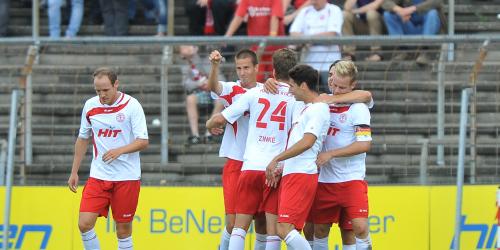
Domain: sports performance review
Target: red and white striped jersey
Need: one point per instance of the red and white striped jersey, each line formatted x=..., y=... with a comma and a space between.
x=270, y=120
x=114, y=126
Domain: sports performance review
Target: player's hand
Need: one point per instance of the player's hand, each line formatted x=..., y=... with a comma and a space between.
x=73, y=182
x=270, y=174
x=216, y=131
x=325, y=98
x=215, y=57
x=271, y=86
x=323, y=158
x=111, y=155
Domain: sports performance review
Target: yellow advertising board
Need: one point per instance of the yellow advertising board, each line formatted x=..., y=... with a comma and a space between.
x=187, y=218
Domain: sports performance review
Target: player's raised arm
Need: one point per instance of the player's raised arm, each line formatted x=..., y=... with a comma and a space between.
x=356, y=96
x=213, y=78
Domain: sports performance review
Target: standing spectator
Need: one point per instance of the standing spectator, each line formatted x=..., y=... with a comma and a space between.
x=115, y=16
x=196, y=10
x=362, y=17
x=4, y=16
x=413, y=17
x=296, y=6
x=319, y=19
x=265, y=18
x=54, y=12
x=161, y=10
x=195, y=80
x=223, y=12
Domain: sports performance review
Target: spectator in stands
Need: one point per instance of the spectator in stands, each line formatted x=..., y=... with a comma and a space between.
x=362, y=17
x=196, y=10
x=194, y=78
x=223, y=12
x=115, y=16
x=54, y=13
x=265, y=18
x=292, y=9
x=413, y=17
x=4, y=16
x=161, y=12
x=319, y=19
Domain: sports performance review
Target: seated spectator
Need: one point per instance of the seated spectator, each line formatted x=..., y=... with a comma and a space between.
x=195, y=80
x=319, y=19
x=362, y=17
x=54, y=13
x=4, y=16
x=265, y=18
x=115, y=17
x=413, y=17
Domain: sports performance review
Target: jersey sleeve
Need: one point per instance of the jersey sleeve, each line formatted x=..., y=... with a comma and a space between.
x=138, y=121
x=298, y=22
x=238, y=108
x=335, y=20
x=317, y=120
x=361, y=122
x=227, y=88
x=242, y=9
x=85, y=126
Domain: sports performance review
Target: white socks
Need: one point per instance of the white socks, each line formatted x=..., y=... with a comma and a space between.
x=364, y=244
x=90, y=241
x=237, y=241
x=296, y=242
x=125, y=244
x=273, y=242
x=224, y=241
x=349, y=247
x=320, y=244
x=260, y=241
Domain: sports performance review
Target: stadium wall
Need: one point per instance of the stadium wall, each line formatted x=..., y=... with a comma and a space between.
x=178, y=218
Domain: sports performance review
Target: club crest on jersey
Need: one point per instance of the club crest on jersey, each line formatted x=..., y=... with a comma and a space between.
x=120, y=117
x=342, y=118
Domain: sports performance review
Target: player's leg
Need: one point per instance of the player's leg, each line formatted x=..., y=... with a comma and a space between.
x=241, y=225
x=360, y=228
x=356, y=211
x=260, y=231
x=348, y=239
x=309, y=232
x=94, y=203
x=321, y=232
x=269, y=206
x=124, y=199
x=230, y=175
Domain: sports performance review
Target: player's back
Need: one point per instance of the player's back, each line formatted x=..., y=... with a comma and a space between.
x=270, y=121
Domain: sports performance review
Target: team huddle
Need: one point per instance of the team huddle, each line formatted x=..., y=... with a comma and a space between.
x=295, y=158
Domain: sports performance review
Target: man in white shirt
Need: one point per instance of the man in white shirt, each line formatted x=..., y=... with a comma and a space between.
x=342, y=195
x=319, y=19
x=235, y=136
x=117, y=123
x=300, y=173
x=270, y=119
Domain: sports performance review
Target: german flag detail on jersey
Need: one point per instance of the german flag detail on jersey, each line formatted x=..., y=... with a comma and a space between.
x=362, y=132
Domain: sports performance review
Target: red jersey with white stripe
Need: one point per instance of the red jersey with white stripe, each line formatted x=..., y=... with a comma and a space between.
x=270, y=119
x=348, y=124
x=310, y=118
x=235, y=135
x=114, y=126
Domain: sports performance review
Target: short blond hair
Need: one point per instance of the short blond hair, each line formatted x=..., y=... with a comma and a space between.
x=345, y=68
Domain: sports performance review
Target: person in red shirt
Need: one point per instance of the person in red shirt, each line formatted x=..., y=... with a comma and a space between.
x=265, y=18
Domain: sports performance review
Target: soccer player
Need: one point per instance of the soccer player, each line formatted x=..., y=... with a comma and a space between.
x=300, y=173
x=342, y=192
x=117, y=124
x=270, y=119
x=235, y=136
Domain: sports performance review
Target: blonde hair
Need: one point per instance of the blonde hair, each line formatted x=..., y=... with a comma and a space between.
x=345, y=68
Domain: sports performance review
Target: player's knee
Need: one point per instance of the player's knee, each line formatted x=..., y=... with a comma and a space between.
x=360, y=229
x=321, y=232
x=123, y=230
x=282, y=230
x=230, y=226
x=85, y=226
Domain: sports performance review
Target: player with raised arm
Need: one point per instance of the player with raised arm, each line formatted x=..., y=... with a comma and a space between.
x=235, y=136
x=342, y=192
x=117, y=123
x=270, y=119
x=300, y=173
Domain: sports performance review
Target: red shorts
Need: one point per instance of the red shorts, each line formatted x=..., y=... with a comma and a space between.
x=340, y=203
x=266, y=62
x=296, y=198
x=254, y=196
x=230, y=174
x=123, y=196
